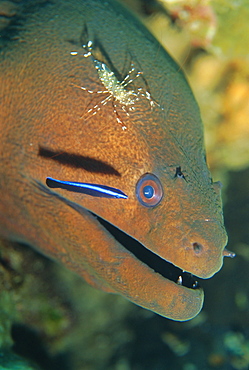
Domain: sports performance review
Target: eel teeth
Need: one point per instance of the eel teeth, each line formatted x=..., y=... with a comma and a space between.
x=179, y=280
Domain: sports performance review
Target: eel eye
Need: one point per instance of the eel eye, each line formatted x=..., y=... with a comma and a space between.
x=149, y=190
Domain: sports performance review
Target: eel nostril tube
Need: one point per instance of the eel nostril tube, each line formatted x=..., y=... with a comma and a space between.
x=227, y=253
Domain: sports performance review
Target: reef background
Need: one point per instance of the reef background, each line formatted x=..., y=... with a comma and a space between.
x=54, y=320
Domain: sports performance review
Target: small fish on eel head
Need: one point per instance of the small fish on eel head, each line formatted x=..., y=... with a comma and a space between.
x=103, y=164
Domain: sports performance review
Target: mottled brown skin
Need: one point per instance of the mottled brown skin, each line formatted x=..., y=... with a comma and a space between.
x=42, y=108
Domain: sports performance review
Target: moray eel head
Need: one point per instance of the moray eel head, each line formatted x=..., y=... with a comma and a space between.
x=95, y=99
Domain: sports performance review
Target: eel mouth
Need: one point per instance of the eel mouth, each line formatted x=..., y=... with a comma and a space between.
x=167, y=269
x=159, y=265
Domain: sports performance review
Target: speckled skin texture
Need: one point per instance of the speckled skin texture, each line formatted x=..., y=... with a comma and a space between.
x=42, y=107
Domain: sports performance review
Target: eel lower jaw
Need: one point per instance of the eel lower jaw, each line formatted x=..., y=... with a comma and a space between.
x=166, y=269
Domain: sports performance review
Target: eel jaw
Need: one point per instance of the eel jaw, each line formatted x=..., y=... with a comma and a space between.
x=148, y=280
x=159, y=265
x=153, y=261
x=158, y=287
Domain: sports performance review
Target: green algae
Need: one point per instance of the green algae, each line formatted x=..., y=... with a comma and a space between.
x=232, y=38
x=10, y=361
x=7, y=314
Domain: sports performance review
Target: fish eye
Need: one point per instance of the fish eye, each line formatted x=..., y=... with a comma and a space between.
x=149, y=190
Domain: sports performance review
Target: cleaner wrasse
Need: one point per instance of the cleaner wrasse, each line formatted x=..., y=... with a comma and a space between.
x=89, y=96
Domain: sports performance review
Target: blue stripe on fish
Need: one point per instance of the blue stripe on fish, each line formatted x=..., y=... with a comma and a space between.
x=94, y=190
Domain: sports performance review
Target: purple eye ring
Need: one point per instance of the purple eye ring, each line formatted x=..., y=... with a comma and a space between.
x=149, y=190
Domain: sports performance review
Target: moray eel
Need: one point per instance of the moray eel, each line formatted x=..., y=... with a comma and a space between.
x=89, y=96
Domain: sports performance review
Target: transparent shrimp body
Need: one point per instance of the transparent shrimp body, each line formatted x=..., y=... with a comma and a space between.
x=116, y=91
x=116, y=88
